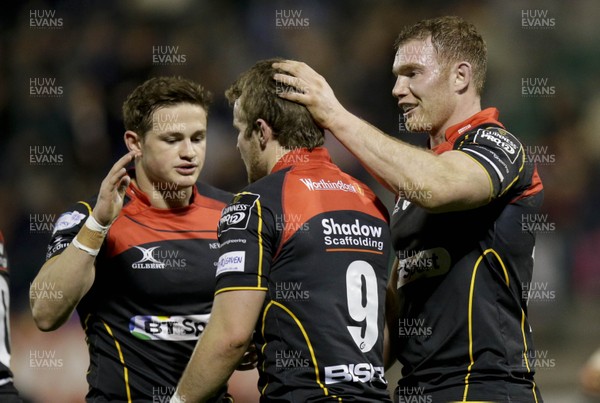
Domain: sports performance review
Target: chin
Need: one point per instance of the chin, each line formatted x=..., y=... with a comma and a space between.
x=186, y=181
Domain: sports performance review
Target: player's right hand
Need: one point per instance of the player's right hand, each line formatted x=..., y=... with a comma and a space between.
x=112, y=190
x=312, y=91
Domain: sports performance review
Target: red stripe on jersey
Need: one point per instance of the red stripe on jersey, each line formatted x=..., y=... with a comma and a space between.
x=139, y=224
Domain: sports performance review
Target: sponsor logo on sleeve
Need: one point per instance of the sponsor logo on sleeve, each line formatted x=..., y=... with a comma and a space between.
x=415, y=265
x=237, y=215
x=68, y=220
x=168, y=328
x=504, y=140
x=231, y=261
x=59, y=243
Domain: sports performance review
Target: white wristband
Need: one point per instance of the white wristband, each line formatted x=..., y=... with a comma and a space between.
x=94, y=225
x=176, y=398
x=78, y=245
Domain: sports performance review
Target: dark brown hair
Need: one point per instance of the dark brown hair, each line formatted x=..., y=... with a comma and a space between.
x=292, y=124
x=159, y=92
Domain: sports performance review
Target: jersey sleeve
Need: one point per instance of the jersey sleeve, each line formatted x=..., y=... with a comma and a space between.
x=245, y=230
x=67, y=226
x=499, y=152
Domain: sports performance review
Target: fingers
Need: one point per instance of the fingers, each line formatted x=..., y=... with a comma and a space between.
x=300, y=90
x=112, y=190
x=292, y=67
x=119, y=170
x=123, y=185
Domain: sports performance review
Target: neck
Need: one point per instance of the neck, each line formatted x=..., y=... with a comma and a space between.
x=275, y=153
x=460, y=114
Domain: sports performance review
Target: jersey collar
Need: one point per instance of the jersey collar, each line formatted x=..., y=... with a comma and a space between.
x=488, y=115
x=302, y=156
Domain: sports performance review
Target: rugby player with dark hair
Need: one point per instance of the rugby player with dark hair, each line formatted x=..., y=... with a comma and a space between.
x=138, y=261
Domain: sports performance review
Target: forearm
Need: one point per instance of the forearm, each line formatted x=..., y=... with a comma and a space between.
x=431, y=181
x=222, y=345
x=210, y=366
x=59, y=286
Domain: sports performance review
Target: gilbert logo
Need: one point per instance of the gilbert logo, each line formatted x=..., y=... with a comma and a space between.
x=153, y=258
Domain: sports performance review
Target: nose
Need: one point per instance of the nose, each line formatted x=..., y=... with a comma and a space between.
x=400, y=89
x=187, y=150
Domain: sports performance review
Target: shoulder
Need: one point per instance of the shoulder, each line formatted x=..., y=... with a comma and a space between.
x=214, y=193
x=492, y=136
x=74, y=215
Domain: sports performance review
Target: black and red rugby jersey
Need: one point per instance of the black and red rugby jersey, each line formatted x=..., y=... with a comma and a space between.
x=465, y=335
x=317, y=242
x=152, y=294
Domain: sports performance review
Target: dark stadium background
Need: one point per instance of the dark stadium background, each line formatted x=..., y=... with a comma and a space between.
x=66, y=66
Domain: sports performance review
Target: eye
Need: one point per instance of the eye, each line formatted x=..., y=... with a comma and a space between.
x=198, y=138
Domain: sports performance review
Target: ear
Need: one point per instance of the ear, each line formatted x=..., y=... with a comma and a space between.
x=462, y=74
x=133, y=141
x=264, y=132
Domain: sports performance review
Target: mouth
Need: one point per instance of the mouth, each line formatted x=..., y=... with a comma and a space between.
x=407, y=108
x=186, y=169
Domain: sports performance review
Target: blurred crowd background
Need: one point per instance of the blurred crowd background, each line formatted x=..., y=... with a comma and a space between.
x=67, y=66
